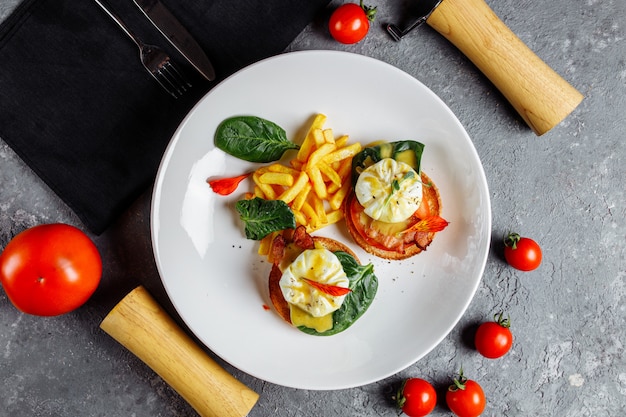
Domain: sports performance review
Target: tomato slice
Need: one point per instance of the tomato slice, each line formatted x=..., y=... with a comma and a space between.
x=356, y=214
x=423, y=210
x=385, y=236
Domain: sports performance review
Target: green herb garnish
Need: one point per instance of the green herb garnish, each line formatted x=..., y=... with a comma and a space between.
x=364, y=285
x=407, y=151
x=252, y=139
x=262, y=217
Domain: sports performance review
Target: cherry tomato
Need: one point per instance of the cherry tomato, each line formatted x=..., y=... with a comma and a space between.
x=494, y=339
x=521, y=253
x=50, y=269
x=350, y=22
x=416, y=397
x=465, y=397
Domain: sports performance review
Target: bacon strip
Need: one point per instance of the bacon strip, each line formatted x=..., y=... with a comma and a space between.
x=302, y=239
x=277, y=249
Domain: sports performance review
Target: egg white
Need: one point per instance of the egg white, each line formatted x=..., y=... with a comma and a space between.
x=389, y=191
x=319, y=265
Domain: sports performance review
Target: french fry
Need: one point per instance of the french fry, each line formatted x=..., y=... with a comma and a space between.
x=297, y=165
x=336, y=200
x=318, y=205
x=277, y=178
x=278, y=190
x=334, y=216
x=330, y=173
x=305, y=150
x=328, y=136
x=291, y=193
x=318, y=136
x=315, y=183
x=318, y=182
x=266, y=189
x=300, y=217
x=341, y=142
x=344, y=171
x=311, y=215
x=283, y=169
x=317, y=155
x=309, y=141
x=301, y=197
x=265, y=244
x=342, y=153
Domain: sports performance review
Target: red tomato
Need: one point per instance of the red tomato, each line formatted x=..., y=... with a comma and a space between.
x=521, y=252
x=494, y=339
x=350, y=22
x=50, y=269
x=416, y=397
x=465, y=397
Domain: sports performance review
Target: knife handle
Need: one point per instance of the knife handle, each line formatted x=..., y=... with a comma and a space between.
x=537, y=92
x=144, y=328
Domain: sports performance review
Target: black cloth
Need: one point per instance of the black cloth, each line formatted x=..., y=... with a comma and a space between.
x=79, y=108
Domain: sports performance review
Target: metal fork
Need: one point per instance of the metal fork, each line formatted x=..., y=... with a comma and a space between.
x=154, y=59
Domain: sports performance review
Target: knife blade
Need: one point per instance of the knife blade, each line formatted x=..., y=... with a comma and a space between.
x=178, y=36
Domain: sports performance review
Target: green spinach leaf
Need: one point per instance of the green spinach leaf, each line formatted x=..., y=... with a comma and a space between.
x=252, y=139
x=262, y=217
x=364, y=285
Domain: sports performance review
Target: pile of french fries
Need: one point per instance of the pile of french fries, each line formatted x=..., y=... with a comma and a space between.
x=316, y=181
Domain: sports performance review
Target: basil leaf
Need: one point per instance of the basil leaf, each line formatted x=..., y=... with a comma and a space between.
x=408, y=151
x=252, y=139
x=364, y=285
x=262, y=217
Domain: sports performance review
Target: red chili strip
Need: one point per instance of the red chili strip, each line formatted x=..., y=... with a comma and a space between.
x=333, y=290
x=429, y=224
x=226, y=186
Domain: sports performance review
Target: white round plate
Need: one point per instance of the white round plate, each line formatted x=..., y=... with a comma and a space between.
x=218, y=283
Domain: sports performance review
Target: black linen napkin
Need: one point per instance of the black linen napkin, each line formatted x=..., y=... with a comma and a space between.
x=79, y=108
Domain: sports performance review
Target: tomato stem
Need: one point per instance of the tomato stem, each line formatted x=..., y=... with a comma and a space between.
x=511, y=240
x=504, y=322
x=400, y=398
x=370, y=12
x=458, y=383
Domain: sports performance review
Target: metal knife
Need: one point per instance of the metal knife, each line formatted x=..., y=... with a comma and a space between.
x=178, y=36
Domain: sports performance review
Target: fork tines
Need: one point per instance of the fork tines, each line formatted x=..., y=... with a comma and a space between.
x=171, y=79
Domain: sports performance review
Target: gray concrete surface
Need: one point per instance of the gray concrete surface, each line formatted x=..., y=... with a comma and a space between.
x=565, y=189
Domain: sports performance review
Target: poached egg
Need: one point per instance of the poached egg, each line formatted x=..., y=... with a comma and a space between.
x=389, y=191
x=308, y=305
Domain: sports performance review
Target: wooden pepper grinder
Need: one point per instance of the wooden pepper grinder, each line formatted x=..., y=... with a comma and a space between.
x=537, y=92
x=144, y=328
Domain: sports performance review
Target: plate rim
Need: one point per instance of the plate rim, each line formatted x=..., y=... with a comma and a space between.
x=168, y=153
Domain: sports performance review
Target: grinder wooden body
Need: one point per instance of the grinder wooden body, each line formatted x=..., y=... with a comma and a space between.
x=145, y=329
x=537, y=92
